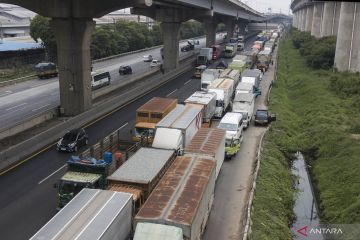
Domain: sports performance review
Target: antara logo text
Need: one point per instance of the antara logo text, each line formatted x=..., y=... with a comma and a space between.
x=319, y=230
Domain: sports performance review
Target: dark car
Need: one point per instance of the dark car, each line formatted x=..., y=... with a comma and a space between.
x=125, y=70
x=46, y=70
x=72, y=140
x=264, y=117
x=187, y=48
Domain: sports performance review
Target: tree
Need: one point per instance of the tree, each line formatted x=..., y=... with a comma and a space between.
x=40, y=29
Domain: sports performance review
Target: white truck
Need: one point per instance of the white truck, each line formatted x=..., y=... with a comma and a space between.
x=224, y=89
x=252, y=76
x=205, y=100
x=91, y=214
x=232, y=74
x=204, y=57
x=208, y=76
x=244, y=103
x=177, y=128
x=232, y=124
x=244, y=87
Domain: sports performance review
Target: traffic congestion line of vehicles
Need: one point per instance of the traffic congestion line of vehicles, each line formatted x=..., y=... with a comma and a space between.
x=161, y=184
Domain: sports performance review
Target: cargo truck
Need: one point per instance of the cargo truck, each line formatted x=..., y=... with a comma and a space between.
x=232, y=74
x=252, y=76
x=208, y=76
x=244, y=87
x=263, y=61
x=238, y=65
x=207, y=102
x=230, y=50
x=232, y=124
x=81, y=173
x=224, y=89
x=149, y=114
x=209, y=142
x=252, y=57
x=183, y=198
x=140, y=173
x=178, y=127
x=93, y=214
x=244, y=103
x=205, y=56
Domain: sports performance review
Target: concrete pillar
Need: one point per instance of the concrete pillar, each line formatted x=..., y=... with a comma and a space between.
x=317, y=17
x=171, y=38
x=242, y=26
x=336, y=18
x=328, y=20
x=73, y=37
x=303, y=19
x=348, y=38
x=309, y=18
x=210, y=28
x=230, y=27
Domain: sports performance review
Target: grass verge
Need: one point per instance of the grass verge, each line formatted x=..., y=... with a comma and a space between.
x=13, y=73
x=318, y=113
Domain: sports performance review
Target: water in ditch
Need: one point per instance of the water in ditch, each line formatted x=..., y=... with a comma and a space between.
x=305, y=207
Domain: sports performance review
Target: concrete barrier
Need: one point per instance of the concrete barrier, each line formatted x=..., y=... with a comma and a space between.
x=23, y=151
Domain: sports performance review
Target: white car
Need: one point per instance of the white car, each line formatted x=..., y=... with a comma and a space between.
x=154, y=63
x=147, y=58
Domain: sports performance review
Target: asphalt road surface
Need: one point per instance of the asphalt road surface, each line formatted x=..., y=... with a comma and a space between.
x=28, y=199
x=27, y=99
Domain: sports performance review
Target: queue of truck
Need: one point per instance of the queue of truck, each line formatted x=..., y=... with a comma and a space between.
x=161, y=184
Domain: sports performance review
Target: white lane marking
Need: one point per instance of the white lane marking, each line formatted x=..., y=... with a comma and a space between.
x=171, y=92
x=187, y=81
x=52, y=174
x=40, y=107
x=123, y=125
x=16, y=106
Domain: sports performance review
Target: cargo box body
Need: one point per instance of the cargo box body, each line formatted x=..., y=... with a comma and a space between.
x=205, y=99
x=183, y=197
x=152, y=231
x=155, y=109
x=91, y=215
x=209, y=142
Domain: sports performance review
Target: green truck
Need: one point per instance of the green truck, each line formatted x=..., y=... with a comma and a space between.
x=81, y=173
x=230, y=50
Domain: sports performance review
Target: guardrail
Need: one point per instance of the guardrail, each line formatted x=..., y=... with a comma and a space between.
x=23, y=151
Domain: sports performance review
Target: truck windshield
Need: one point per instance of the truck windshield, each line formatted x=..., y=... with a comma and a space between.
x=204, y=85
x=219, y=103
x=228, y=126
x=72, y=188
x=145, y=132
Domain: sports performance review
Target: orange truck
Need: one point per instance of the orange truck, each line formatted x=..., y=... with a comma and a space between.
x=148, y=115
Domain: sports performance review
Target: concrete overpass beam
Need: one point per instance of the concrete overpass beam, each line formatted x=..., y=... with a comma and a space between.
x=73, y=37
x=210, y=25
x=309, y=18
x=317, y=20
x=347, y=57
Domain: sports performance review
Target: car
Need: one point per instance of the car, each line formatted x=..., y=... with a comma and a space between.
x=263, y=117
x=125, y=70
x=147, y=58
x=72, y=140
x=46, y=70
x=154, y=63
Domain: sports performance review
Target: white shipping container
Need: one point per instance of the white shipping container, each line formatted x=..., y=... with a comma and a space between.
x=187, y=119
x=205, y=99
x=92, y=214
x=152, y=231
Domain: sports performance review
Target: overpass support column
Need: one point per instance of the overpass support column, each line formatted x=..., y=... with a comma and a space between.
x=309, y=18
x=171, y=39
x=230, y=27
x=330, y=19
x=317, y=20
x=210, y=28
x=302, y=20
x=73, y=37
x=348, y=38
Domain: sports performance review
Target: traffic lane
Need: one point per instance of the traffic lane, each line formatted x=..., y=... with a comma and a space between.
x=22, y=86
x=235, y=179
x=46, y=168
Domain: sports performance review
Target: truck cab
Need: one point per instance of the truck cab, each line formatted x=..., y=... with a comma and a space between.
x=232, y=123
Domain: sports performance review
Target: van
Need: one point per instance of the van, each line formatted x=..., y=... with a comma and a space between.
x=244, y=103
x=99, y=80
x=232, y=123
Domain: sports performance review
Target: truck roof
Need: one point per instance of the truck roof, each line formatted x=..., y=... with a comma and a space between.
x=231, y=73
x=157, y=104
x=176, y=198
x=265, y=52
x=179, y=118
x=82, y=177
x=221, y=83
x=89, y=215
x=206, y=141
x=143, y=166
x=152, y=231
x=244, y=86
x=251, y=73
x=231, y=117
x=201, y=97
x=244, y=97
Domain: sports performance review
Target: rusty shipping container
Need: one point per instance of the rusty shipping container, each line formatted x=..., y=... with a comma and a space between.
x=209, y=142
x=183, y=197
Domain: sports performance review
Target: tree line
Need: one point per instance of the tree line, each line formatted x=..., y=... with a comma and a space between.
x=111, y=39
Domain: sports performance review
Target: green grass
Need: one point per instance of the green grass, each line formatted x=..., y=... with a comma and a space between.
x=9, y=74
x=318, y=113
